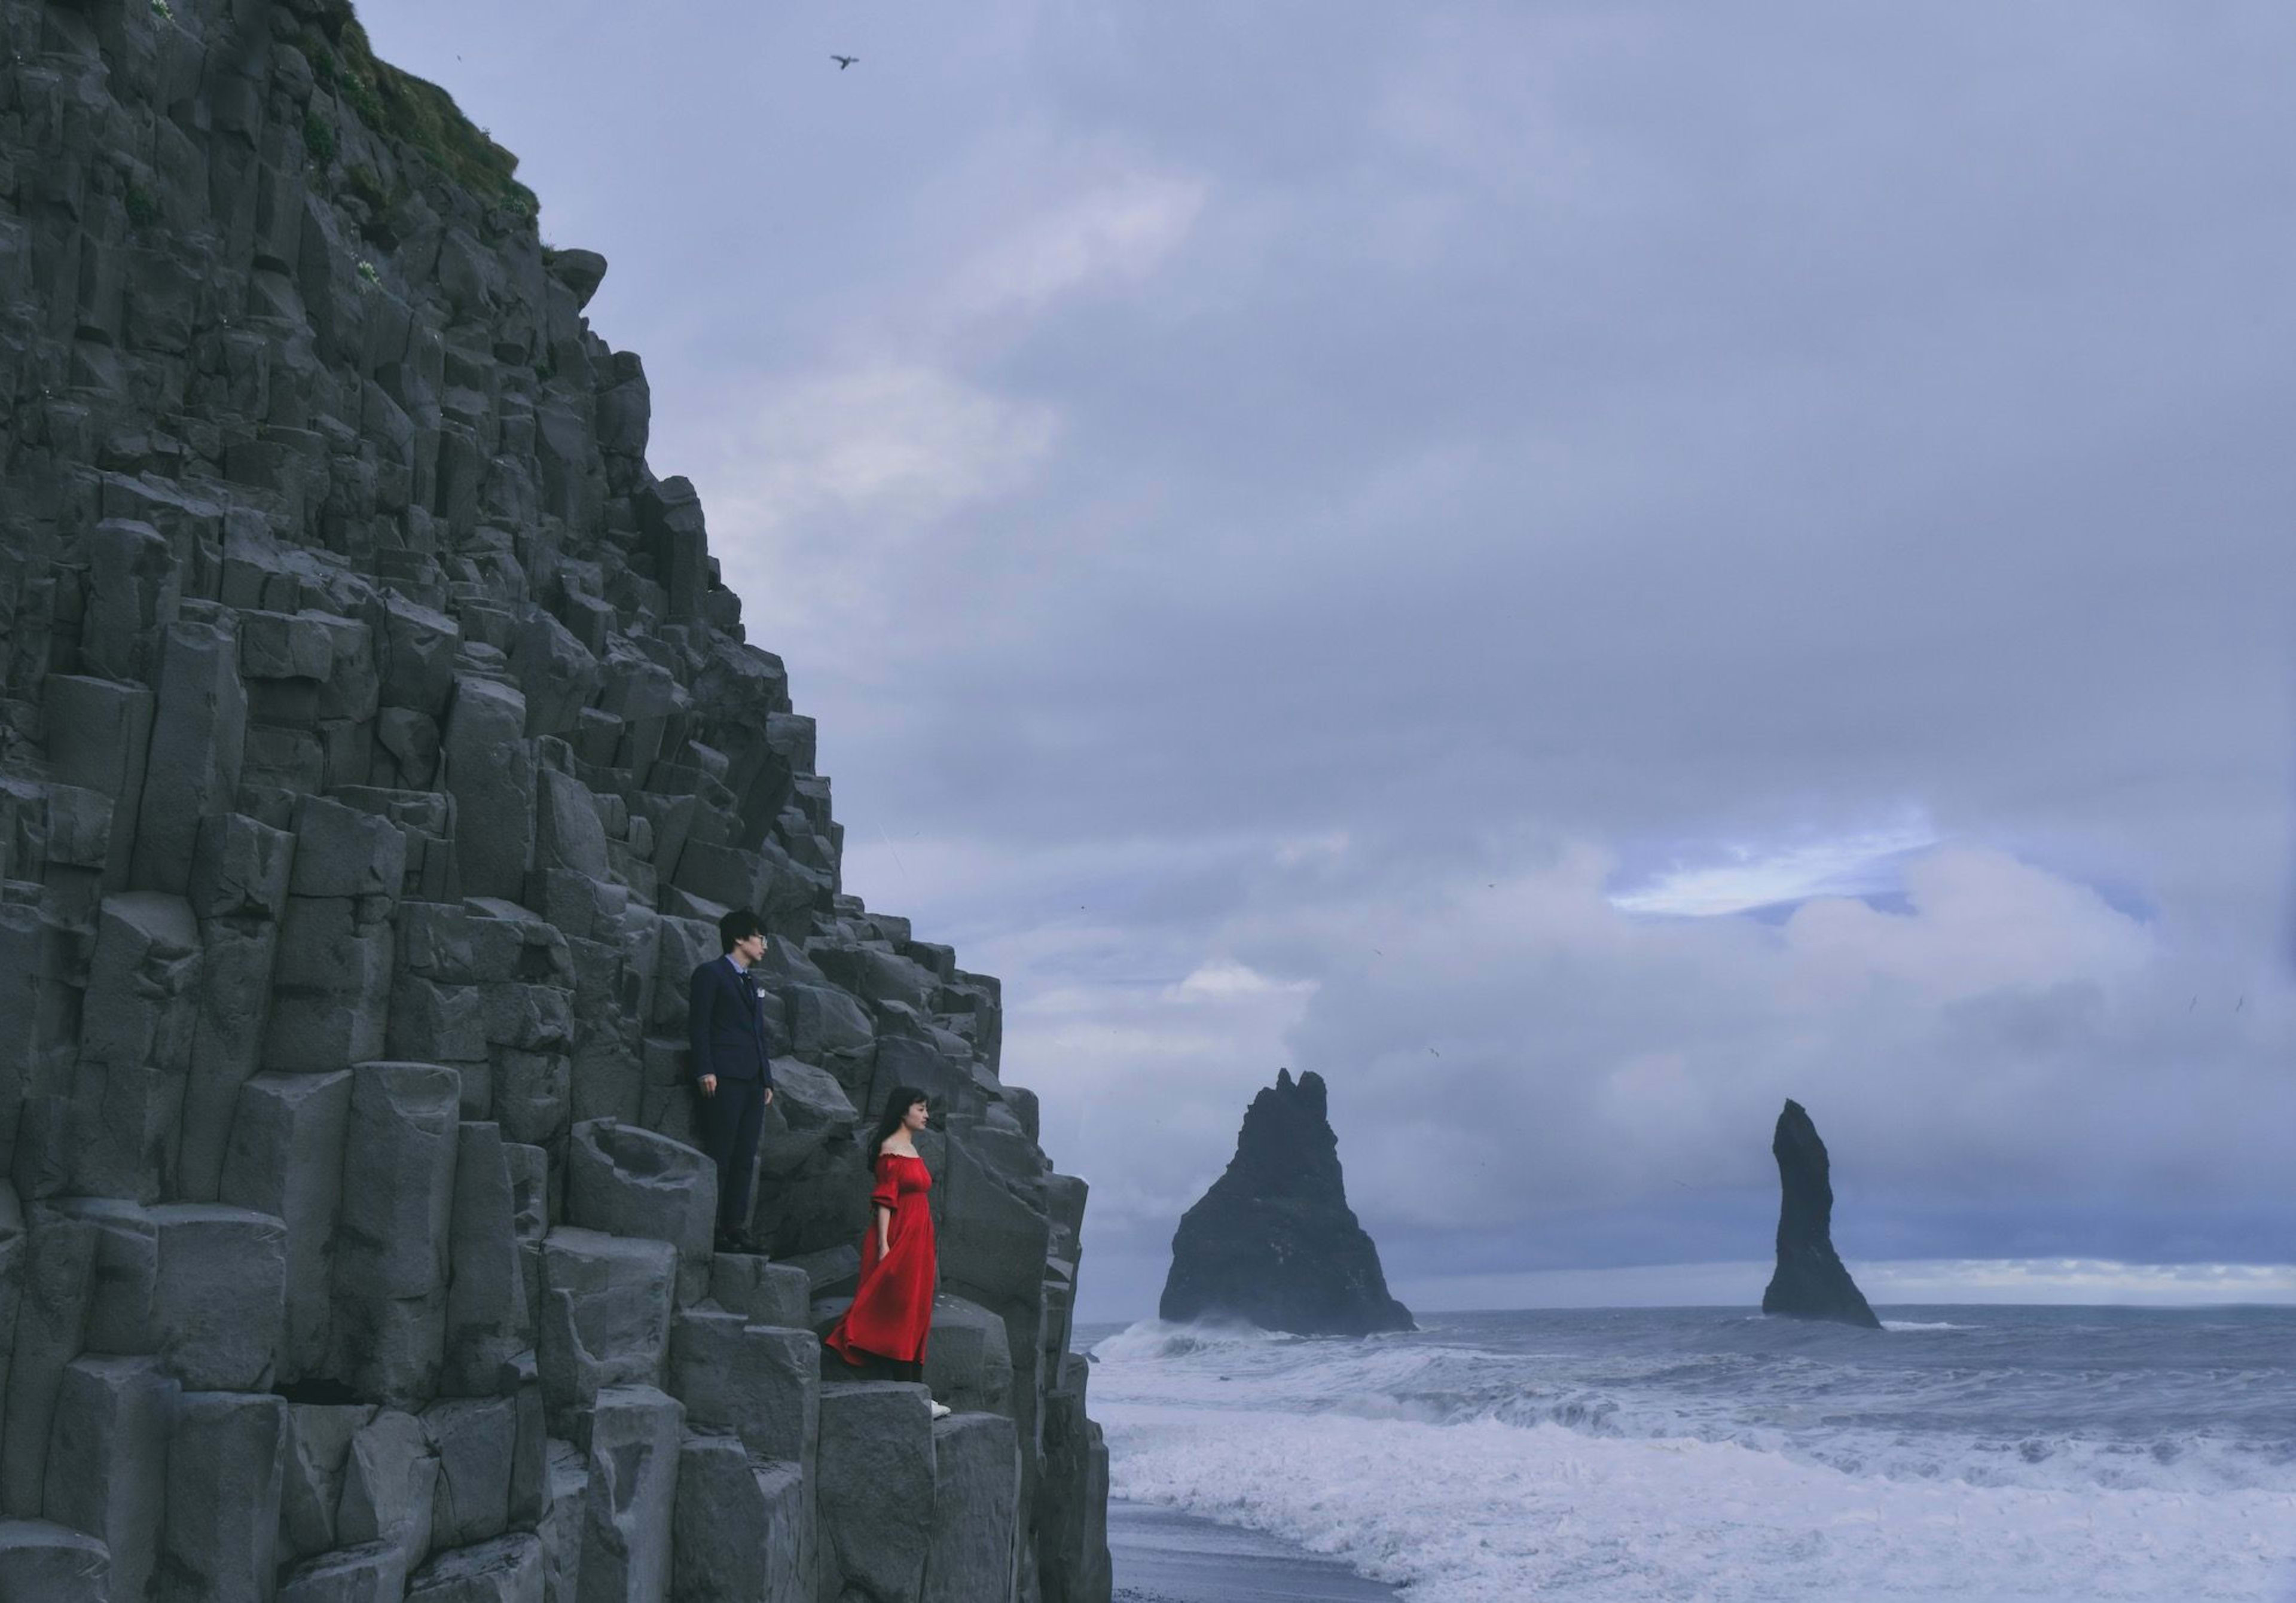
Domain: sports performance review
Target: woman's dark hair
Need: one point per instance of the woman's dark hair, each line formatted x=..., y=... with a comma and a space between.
x=896, y=1108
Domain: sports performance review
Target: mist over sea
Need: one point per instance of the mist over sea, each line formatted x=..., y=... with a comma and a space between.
x=1967, y=1453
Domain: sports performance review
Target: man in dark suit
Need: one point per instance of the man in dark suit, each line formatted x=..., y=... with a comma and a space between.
x=733, y=1070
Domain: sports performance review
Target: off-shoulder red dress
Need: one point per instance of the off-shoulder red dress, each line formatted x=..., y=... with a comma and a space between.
x=892, y=1311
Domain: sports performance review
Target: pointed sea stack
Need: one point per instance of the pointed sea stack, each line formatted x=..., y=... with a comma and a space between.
x=1273, y=1240
x=1810, y=1281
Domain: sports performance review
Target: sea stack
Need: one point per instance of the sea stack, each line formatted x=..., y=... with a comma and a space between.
x=1273, y=1240
x=1810, y=1281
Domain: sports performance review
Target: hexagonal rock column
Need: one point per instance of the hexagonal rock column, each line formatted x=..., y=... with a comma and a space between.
x=222, y=1531
x=507, y=1570
x=969, y=1357
x=137, y=1026
x=627, y=1181
x=238, y=890
x=51, y=1317
x=739, y=1527
x=99, y=735
x=198, y=1283
x=220, y=1299
x=567, y=1494
x=285, y=1158
x=635, y=1433
x=976, y=1497
x=53, y=1563
x=604, y=1322
x=314, y=1456
x=761, y=1382
x=329, y=1002
x=390, y=1305
x=374, y=1572
x=108, y=1466
x=491, y=775
x=390, y=1488
x=476, y=1440
x=875, y=1492
x=487, y=1323
x=995, y=1237
x=764, y=1293
x=198, y=739
x=1071, y=1530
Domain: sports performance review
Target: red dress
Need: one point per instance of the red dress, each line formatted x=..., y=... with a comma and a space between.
x=892, y=1311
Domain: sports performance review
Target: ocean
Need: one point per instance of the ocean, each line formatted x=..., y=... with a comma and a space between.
x=1603, y=1456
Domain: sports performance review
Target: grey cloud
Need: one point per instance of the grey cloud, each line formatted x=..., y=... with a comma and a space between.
x=1631, y=427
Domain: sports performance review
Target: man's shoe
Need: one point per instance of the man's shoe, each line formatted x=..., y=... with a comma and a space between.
x=940, y=1408
x=730, y=1240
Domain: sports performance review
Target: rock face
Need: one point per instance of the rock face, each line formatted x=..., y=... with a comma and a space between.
x=1810, y=1281
x=1273, y=1240
x=377, y=748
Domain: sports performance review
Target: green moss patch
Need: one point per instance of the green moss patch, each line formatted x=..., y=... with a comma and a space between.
x=413, y=110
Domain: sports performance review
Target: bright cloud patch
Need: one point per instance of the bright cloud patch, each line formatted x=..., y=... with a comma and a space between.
x=1860, y=864
x=1223, y=979
x=1985, y=922
x=1117, y=232
x=889, y=441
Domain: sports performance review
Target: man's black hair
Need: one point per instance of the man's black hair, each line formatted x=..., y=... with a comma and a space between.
x=737, y=927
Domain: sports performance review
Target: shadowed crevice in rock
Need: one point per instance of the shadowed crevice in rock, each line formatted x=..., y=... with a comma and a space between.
x=1273, y=1240
x=1810, y=1281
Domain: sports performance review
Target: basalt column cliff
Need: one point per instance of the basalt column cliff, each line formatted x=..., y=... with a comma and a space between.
x=377, y=748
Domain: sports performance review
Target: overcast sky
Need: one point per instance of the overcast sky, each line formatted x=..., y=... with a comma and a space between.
x=1578, y=570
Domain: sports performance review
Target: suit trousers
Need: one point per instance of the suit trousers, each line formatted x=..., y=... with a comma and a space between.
x=730, y=1121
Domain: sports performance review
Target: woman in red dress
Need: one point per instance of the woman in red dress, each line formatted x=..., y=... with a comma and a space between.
x=892, y=1310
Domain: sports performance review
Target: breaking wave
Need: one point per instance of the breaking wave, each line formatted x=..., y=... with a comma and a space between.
x=1701, y=1454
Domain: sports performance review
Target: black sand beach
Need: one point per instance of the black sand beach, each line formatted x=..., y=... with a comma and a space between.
x=1163, y=1557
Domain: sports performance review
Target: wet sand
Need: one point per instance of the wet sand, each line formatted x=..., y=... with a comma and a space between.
x=1163, y=1557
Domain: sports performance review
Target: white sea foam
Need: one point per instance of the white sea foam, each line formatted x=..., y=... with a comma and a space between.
x=1403, y=1458
x=1923, y=1324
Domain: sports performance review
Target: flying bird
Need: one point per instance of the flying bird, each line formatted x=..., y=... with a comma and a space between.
x=843, y=61
x=1433, y=1050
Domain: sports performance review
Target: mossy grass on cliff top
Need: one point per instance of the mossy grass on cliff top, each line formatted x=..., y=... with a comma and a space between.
x=411, y=109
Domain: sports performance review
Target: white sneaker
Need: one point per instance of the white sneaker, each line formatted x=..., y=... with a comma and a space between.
x=940, y=1410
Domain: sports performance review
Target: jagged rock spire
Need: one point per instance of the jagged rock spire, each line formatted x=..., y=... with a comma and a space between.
x=1810, y=1281
x=1273, y=1240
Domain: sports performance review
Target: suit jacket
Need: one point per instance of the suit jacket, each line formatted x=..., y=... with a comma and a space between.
x=726, y=1021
